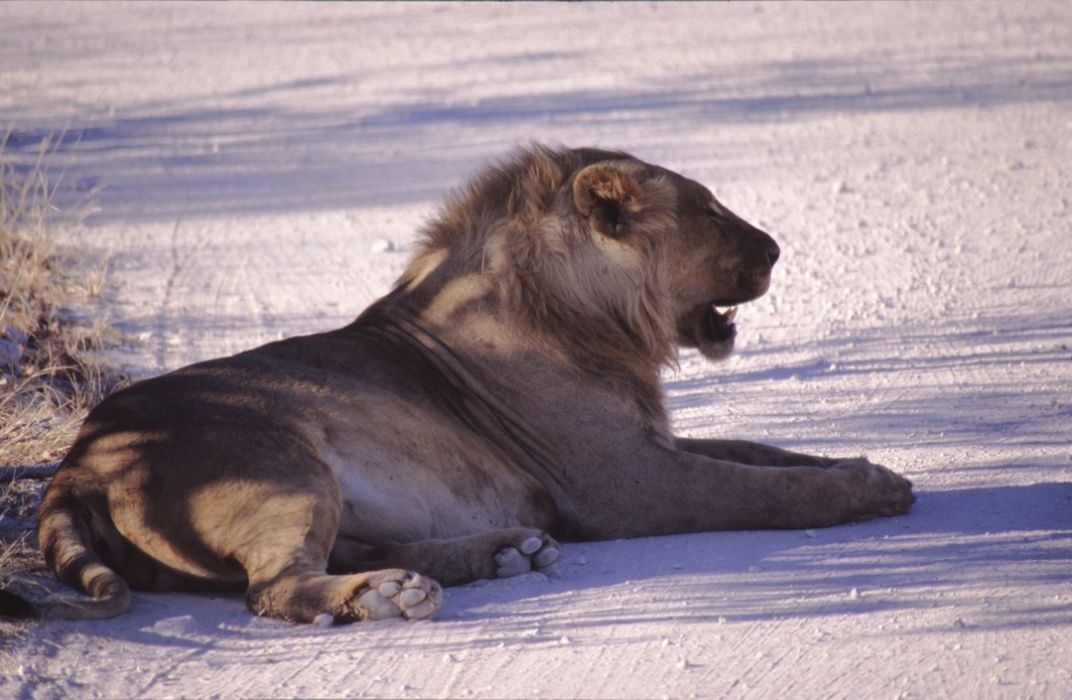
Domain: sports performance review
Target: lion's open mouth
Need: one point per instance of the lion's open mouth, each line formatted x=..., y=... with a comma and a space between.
x=709, y=329
x=720, y=324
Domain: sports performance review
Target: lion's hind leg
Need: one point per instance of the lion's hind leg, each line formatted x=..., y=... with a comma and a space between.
x=492, y=554
x=282, y=538
x=303, y=596
x=288, y=579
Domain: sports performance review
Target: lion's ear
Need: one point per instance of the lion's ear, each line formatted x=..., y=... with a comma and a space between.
x=602, y=194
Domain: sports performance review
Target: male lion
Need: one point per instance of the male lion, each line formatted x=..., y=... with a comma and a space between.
x=506, y=391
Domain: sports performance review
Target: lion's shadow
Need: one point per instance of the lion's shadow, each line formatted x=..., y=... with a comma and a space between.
x=974, y=539
x=990, y=537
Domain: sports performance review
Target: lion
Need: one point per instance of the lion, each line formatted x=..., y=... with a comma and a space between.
x=502, y=397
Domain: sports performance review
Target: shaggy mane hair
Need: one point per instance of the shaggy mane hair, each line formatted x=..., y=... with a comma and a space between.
x=601, y=299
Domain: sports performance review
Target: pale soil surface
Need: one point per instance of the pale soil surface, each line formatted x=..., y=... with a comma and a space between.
x=249, y=164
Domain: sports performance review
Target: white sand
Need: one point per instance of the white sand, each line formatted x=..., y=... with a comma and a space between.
x=248, y=164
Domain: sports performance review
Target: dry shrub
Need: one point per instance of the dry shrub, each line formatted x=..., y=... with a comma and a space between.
x=49, y=378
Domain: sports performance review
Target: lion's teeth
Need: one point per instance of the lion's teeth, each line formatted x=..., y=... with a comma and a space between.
x=731, y=313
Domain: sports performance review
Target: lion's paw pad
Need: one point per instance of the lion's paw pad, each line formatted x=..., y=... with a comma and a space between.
x=545, y=557
x=402, y=594
x=533, y=553
x=531, y=545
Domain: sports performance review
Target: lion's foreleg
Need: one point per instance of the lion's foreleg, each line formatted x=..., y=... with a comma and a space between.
x=751, y=453
x=666, y=491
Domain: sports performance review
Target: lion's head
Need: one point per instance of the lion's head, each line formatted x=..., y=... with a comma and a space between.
x=616, y=257
x=706, y=255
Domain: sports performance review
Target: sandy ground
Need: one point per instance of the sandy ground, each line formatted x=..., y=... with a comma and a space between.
x=248, y=164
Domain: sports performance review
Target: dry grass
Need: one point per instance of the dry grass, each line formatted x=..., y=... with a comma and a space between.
x=48, y=376
x=18, y=553
x=8, y=554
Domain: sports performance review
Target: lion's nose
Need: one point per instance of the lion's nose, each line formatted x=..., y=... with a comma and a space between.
x=773, y=252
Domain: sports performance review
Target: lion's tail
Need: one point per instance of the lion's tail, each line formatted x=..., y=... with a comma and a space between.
x=65, y=541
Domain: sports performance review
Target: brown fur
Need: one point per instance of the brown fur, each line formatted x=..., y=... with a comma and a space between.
x=504, y=392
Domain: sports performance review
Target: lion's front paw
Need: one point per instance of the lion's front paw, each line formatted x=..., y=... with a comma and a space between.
x=535, y=552
x=396, y=593
x=875, y=490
